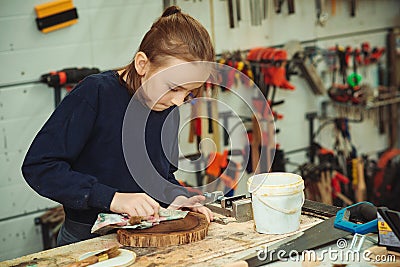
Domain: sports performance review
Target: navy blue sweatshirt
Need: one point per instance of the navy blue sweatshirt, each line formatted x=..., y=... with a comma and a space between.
x=77, y=157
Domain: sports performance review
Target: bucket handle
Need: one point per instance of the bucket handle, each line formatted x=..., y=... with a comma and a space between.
x=286, y=211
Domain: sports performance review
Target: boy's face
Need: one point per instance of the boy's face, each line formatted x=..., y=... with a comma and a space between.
x=172, y=83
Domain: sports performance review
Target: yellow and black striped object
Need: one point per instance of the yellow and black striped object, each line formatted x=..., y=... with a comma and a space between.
x=55, y=15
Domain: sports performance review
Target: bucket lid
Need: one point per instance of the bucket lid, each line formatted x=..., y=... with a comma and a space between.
x=258, y=181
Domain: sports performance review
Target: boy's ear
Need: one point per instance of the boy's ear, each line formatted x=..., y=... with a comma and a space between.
x=141, y=63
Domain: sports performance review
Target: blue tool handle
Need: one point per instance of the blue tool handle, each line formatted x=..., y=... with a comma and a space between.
x=349, y=218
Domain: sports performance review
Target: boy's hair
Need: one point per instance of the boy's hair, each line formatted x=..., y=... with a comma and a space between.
x=174, y=34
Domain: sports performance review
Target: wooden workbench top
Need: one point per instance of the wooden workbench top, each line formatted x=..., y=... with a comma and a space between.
x=223, y=244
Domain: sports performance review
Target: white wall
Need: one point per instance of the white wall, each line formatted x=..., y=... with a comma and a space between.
x=106, y=36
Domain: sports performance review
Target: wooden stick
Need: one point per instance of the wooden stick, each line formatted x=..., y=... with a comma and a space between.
x=361, y=186
x=98, y=257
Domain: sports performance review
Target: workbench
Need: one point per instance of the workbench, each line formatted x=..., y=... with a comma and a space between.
x=223, y=244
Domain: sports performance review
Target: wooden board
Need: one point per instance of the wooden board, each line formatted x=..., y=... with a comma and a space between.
x=192, y=228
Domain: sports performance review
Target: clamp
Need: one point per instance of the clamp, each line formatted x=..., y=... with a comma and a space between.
x=238, y=207
x=348, y=218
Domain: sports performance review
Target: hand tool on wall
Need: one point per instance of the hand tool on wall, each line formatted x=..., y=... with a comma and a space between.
x=278, y=164
x=55, y=15
x=353, y=79
x=366, y=52
x=265, y=150
x=322, y=15
x=333, y=7
x=252, y=13
x=353, y=166
x=309, y=72
x=381, y=113
x=238, y=11
x=310, y=173
x=359, y=94
x=359, y=186
x=222, y=76
x=195, y=132
x=331, y=180
x=344, y=92
x=261, y=136
x=255, y=145
x=274, y=62
x=216, y=163
x=256, y=9
x=278, y=6
x=198, y=160
x=254, y=57
x=265, y=8
x=325, y=187
x=341, y=53
x=229, y=75
x=265, y=61
x=223, y=168
x=366, y=56
x=247, y=153
x=192, y=124
x=245, y=68
x=195, y=122
x=58, y=79
x=278, y=71
x=231, y=15
x=215, y=122
x=376, y=54
x=291, y=7
x=209, y=107
x=260, y=7
x=230, y=177
x=347, y=55
x=353, y=8
x=225, y=117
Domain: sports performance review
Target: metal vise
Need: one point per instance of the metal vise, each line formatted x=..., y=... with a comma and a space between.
x=238, y=207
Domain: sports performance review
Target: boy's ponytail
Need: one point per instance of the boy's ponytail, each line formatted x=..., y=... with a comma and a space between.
x=174, y=34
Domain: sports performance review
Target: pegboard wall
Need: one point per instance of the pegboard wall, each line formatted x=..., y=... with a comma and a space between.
x=107, y=36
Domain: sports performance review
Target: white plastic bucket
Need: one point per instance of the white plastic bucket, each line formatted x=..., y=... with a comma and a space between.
x=277, y=199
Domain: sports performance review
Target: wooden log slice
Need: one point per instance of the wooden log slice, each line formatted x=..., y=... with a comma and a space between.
x=192, y=228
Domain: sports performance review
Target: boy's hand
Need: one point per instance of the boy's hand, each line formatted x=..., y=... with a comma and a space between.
x=194, y=204
x=134, y=204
